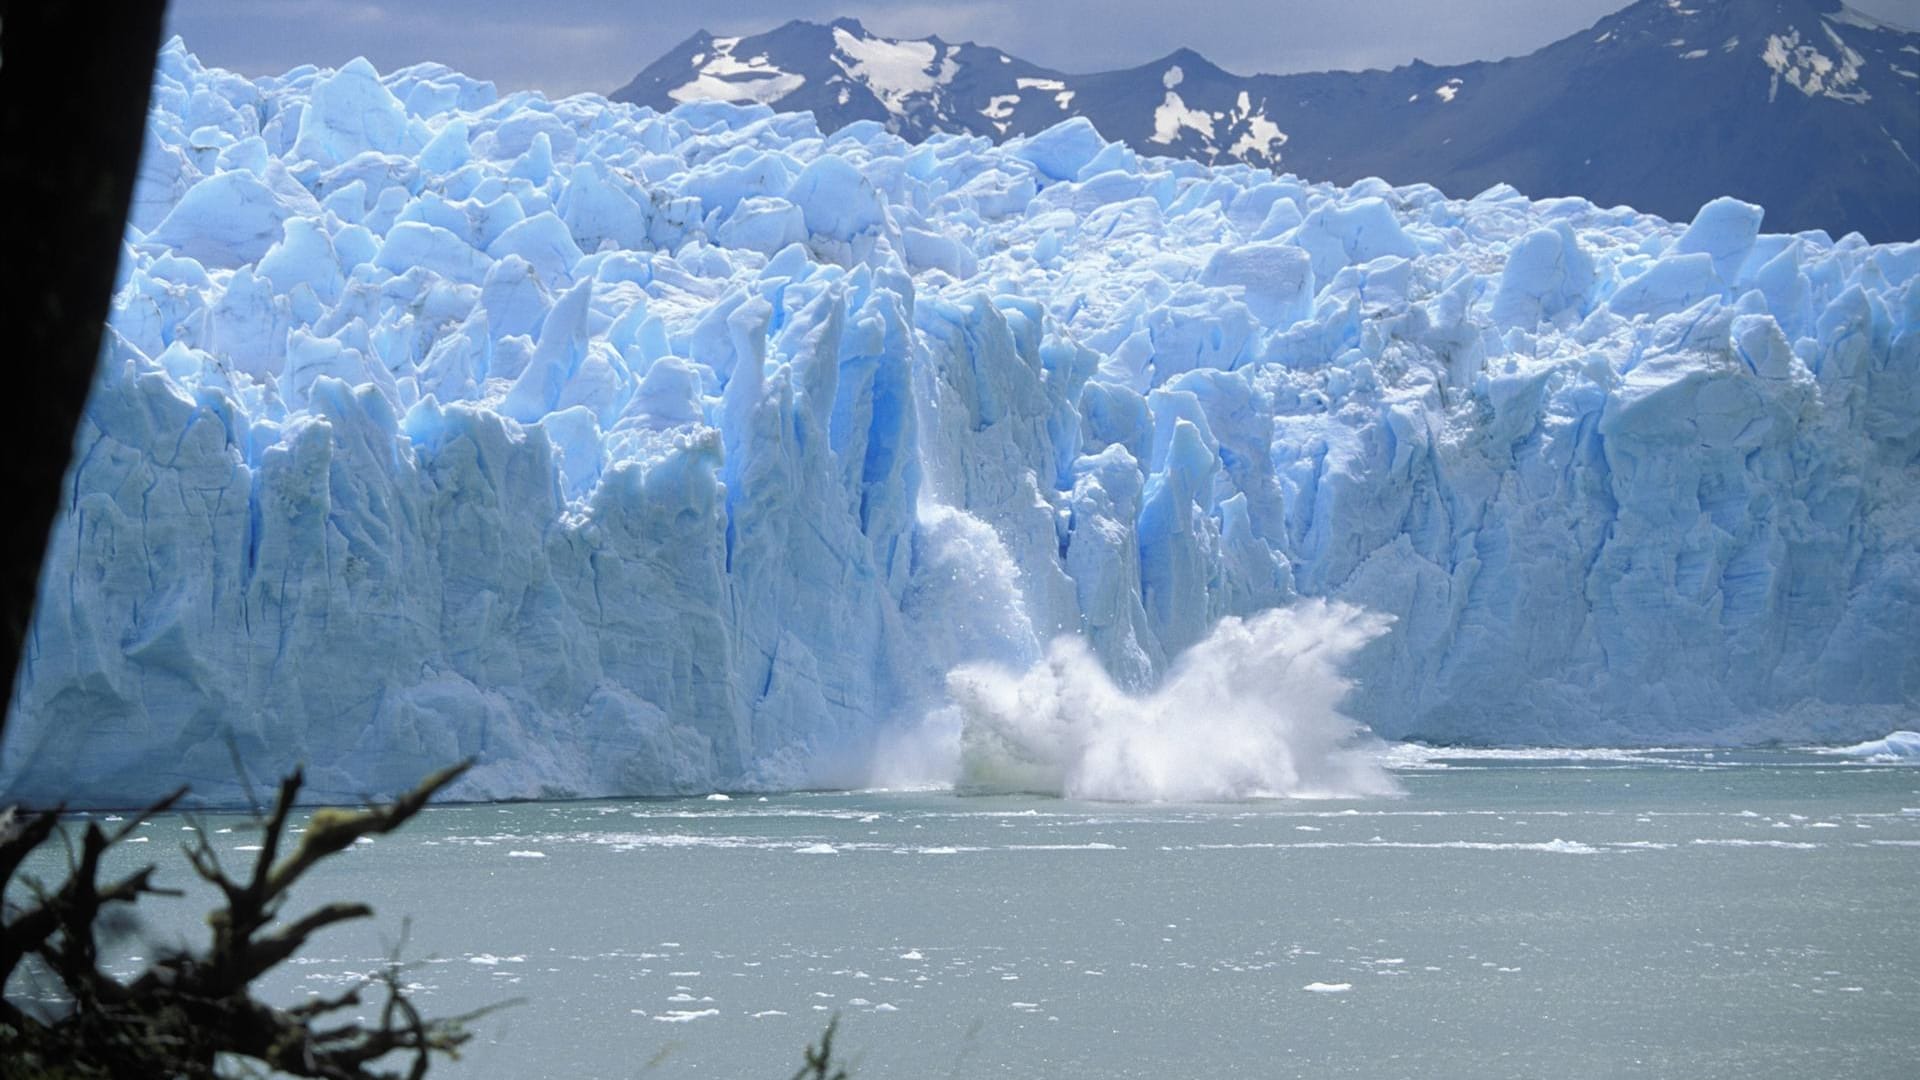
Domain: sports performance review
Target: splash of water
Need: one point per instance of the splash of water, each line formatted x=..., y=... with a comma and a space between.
x=1252, y=711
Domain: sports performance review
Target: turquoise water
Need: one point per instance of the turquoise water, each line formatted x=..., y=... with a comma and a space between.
x=1602, y=915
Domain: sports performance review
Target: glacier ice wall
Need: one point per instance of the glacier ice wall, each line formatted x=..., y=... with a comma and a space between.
x=646, y=453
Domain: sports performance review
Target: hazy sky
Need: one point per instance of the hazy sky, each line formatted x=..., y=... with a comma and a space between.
x=564, y=46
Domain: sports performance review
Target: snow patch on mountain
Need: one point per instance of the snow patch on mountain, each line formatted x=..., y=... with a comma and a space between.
x=893, y=70
x=1812, y=72
x=1173, y=116
x=1260, y=138
x=1000, y=109
x=721, y=77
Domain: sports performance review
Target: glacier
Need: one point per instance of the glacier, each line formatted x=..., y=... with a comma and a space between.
x=636, y=453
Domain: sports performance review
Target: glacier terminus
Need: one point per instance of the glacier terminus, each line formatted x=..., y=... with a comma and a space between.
x=636, y=452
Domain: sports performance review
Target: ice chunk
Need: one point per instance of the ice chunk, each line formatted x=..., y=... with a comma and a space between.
x=1725, y=229
x=229, y=219
x=1547, y=272
x=410, y=244
x=447, y=150
x=763, y=223
x=1277, y=278
x=1340, y=234
x=1673, y=284
x=544, y=241
x=1061, y=151
x=1899, y=746
x=562, y=349
x=835, y=200
x=601, y=212
x=349, y=112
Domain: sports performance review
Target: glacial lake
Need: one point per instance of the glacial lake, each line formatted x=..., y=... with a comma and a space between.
x=1597, y=914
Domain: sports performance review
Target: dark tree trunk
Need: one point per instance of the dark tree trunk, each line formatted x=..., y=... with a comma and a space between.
x=74, y=83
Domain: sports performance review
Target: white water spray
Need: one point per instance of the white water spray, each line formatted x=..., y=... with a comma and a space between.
x=1252, y=711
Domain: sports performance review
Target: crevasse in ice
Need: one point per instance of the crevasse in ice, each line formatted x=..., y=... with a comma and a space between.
x=646, y=453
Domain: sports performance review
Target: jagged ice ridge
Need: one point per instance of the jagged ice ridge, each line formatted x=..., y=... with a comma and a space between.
x=649, y=453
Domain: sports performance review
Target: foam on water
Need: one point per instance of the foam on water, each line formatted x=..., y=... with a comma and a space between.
x=1900, y=746
x=1555, y=846
x=1408, y=755
x=1251, y=711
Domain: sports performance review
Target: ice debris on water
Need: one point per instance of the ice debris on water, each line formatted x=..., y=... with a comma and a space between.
x=641, y=453
x=1898, y=746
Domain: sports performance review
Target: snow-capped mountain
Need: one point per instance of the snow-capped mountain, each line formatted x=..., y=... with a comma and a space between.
x=1804, y=106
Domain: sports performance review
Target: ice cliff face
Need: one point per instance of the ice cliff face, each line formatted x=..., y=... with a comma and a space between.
x=644, y=453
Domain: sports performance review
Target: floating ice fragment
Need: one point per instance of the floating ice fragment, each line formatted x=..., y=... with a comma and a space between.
x=1898, y=746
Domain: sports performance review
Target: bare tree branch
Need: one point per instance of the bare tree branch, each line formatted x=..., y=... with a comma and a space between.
x=189, y=1009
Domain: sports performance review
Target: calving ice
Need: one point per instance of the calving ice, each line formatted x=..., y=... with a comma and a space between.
x=1251, y=711
x=635, y=452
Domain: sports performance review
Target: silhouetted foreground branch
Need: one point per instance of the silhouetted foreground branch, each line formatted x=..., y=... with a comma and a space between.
x=189, y=1009
x=820, y=1064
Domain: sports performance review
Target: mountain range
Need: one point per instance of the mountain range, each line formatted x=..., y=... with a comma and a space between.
x=1806, y=107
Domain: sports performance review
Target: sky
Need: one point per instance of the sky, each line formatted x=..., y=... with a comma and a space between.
x=567, y=46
